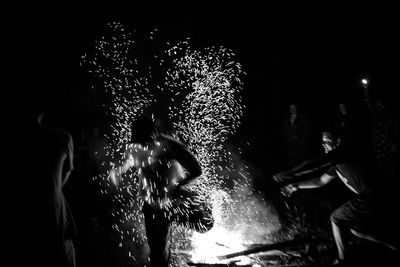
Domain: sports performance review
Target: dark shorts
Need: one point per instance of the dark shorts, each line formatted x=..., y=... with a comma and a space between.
x=361, y=214
x=188, y=210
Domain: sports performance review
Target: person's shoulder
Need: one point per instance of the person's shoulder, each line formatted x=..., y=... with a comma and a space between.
x=58, y=133
x=170, y=140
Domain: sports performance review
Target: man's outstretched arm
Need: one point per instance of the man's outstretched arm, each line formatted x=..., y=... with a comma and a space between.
x=305, y=168
x=309, y=184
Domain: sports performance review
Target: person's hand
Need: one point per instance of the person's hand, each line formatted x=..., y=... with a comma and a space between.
x=289, y=189
x=181, y=192
x=280, y=177
x=113, y=176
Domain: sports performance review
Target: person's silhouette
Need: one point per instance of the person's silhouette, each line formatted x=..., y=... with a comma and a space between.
x=164, y=166
x=296, y=129
x=41, y=227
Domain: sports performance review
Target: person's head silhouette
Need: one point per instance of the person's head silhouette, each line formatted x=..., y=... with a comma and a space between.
x=143, y=130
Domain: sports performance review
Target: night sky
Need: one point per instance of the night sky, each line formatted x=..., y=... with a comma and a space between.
x=313, y=57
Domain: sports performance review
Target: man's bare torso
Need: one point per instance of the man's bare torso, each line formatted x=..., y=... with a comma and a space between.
x=158, y=171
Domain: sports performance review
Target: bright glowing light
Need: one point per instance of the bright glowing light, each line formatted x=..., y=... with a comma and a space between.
x=364, y=81
x=216, y=242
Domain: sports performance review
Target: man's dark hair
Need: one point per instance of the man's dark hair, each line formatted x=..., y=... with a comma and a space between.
x=142, y=130
x=332, y=133
x=333, y=130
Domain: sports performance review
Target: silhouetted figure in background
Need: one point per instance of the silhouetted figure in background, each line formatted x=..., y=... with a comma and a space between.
x=40, y=228
x=342, y=116
x=344, y=121
x=353, y=128
x=364, y=215
x=160, y=161
x=296, y=129
x=384, y=133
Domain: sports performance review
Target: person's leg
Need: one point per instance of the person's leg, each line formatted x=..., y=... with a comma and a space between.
x=341, y=218
x=339, y=241
x=373, y=238
x=70, y=253
x=158, y=235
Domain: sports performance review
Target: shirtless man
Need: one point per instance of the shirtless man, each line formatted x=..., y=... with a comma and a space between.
x=165, y=167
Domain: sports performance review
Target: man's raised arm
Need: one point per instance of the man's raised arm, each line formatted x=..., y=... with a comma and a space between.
x=117, y=170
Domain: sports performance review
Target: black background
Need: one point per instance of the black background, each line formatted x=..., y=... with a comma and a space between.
x=312, y=55
x=315, y=56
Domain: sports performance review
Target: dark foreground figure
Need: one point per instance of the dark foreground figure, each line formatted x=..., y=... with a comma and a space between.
x=39, y=228
x=164, y=166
